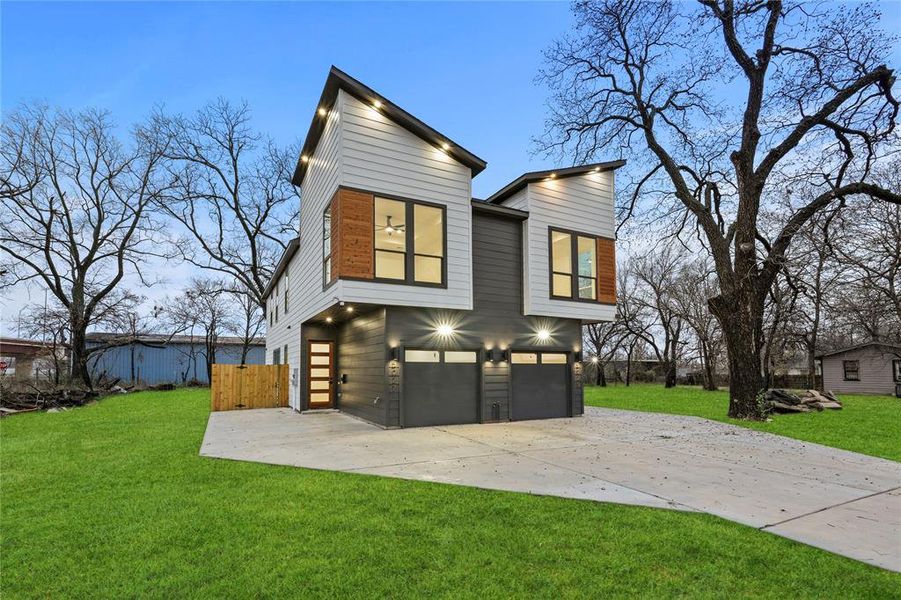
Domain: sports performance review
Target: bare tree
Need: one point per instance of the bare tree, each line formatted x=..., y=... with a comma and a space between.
x=657, y=272
x=203, y=309
x=694, y=284
x=872, y=251
x=635, y=316
x=248, y=321
x=231, y=193
x=49, y=323
x=810, y=107
x=603, y=340
x=84, y=222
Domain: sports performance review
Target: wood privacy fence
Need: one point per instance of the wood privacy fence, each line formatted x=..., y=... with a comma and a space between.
x=249, y=386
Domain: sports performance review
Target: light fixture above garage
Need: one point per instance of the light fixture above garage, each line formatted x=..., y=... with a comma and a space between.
x=544, y=335
x=497, y=355
x=445, y=330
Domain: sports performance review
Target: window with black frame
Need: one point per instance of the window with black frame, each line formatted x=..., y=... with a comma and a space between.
x=327, y=246
x=851, y=370
x=390, y=239
x=409, y=242
x=428, y=244
x=574, y=265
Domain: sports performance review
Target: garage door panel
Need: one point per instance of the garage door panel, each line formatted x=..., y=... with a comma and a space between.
x=540, y=391
x=440, y=394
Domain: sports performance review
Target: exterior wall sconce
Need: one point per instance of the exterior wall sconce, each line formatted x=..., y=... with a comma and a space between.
x=497, y=355
x=394, y=354
x=578, y=356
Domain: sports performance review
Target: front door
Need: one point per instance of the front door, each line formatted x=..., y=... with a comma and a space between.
x=320, y=374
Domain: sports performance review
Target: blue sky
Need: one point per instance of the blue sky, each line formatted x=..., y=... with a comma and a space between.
x=467, y=69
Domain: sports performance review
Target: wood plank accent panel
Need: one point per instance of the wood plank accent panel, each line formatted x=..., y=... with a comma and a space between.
x=352, y=235
x=249, y=386
x=606, y=270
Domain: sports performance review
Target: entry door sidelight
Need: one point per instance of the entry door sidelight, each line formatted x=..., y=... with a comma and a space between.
x=320, y=374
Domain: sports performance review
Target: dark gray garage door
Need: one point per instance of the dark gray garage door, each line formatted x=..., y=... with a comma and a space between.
x=440, y=387
x=540, y=385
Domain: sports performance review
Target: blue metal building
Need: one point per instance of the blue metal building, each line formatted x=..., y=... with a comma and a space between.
x=155, y=359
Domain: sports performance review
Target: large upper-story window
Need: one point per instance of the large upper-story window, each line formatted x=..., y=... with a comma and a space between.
x=390, y=239
x=327, y=246
x=409, y=242
x=574, y=265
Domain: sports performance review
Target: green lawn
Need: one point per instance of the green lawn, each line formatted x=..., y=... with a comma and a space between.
x=866, y=424
x=112, y=500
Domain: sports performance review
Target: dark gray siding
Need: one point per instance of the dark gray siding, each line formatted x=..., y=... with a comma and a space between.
x=361, y=355
x=495, y=321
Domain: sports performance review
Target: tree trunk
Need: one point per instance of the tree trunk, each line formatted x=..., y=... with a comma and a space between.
x=629, y=368
x=669, y=380
x=742, y=325
x=78, y=368
x=602, y=376
x=811, y=369
x=709, y=375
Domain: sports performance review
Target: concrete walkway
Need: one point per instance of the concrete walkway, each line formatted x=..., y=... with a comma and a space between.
x=840, y=501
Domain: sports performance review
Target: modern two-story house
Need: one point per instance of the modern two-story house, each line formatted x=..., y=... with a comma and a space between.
x=406, y=302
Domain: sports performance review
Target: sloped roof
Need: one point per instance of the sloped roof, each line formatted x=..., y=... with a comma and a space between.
x=339, y=80
x=892, y=346
x=162, y=339
x=290, y=249
x=533, y=176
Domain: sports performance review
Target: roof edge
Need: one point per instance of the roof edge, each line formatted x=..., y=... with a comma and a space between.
x=533, y=176
x=290, y=249
x=892, y=345
x=339, y=80
x=496, y=209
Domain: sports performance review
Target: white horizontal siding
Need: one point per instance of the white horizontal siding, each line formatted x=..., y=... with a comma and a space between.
x=583, y=203
x=305, y=295
x=382, y=157
x=875, y=370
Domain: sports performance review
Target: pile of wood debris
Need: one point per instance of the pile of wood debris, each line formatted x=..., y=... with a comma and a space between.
x=16, y=401
x=784, y=401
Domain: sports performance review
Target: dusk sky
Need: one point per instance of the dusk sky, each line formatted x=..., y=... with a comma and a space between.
x=467, y=69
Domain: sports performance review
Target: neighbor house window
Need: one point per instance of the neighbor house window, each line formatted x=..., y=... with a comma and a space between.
x=327, y=246
x=851, y=369
x=276, y=356
x=896, y=370
x=409, y=241
x=574, y=265
x=285, y=354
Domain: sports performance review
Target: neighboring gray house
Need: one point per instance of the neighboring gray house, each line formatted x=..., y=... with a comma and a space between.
x=871, y=368
x=155, y=359
x=407, y=302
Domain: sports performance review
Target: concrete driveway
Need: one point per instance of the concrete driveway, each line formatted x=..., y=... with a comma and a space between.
x=840, y=501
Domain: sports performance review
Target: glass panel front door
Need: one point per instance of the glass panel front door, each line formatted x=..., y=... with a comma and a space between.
x=320, y=374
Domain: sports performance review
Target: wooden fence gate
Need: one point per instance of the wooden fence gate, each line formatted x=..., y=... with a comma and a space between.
x=249, y=386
